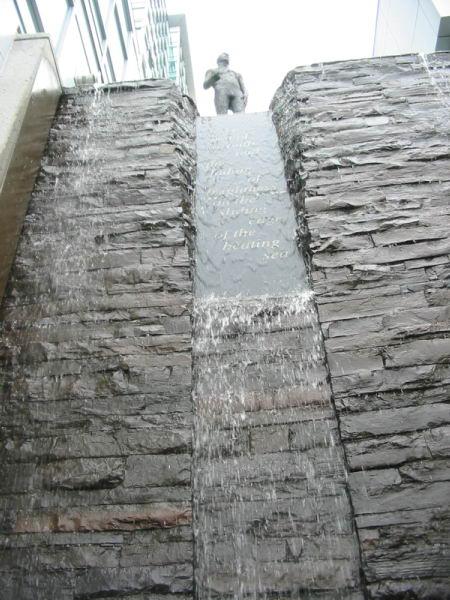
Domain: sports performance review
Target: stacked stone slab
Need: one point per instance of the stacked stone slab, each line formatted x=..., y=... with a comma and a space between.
x=96, y=357
x=366, y=146
x=272, y=509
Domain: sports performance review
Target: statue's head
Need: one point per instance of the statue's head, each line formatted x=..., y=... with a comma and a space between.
x=223, y=59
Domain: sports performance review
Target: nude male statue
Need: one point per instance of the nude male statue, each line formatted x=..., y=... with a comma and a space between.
x=229, y=88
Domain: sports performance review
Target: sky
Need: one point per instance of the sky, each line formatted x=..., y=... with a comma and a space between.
x=267, y=38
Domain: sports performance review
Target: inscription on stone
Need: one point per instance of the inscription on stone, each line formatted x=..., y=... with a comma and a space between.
x=244, y=218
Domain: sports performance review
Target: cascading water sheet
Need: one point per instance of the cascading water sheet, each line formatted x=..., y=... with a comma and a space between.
x=271, y=514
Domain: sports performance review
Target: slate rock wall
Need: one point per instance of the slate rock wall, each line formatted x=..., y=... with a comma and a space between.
x=271, y=497
x=366, y=147
x=95, y=357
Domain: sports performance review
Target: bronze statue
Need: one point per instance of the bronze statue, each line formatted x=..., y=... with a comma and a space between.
x=229, y=88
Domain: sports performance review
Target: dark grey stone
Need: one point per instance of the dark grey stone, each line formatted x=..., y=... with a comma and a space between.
x=364, y=144
x=95, y=356
x=84, y=474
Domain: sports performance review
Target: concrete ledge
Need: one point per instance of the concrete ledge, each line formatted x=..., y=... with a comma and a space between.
x=30, y=89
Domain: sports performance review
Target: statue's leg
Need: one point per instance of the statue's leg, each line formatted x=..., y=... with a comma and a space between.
x=237, y=104
x=221, y=102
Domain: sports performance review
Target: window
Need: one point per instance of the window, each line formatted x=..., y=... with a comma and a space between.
x=34, y=13
x=52, y=16
x=73, y=60
x=10, y=21
x=120, y=34
x=116, y=47
x=112, y=75
x=105, y=9
x=89, y=42
x=26, y=20
x=98, y=16
x=126, y=12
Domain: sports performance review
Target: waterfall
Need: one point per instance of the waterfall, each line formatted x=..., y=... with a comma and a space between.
x=271, y=514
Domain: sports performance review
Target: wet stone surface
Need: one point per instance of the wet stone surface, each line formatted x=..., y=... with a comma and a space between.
x=271, y=511
x=95, y=357
x=365, y=145
x=245, y=225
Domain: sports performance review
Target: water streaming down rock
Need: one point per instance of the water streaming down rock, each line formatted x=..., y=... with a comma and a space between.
x=55, y=274
x=436, y=67
x=96, y=365
x=271, y=512
x=95, y=360
x=365, y=144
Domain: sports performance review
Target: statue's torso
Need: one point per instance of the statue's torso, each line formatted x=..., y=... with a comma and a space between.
x=228, y=83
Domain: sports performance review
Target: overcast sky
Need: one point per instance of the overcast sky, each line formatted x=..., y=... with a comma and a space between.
x=267, y=38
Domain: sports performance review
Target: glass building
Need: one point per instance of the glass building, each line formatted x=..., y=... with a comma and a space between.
x=180, y=69
x=104, y=40
x=405, y=26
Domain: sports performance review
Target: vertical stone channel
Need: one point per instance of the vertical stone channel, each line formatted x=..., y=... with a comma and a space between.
x=272, y=517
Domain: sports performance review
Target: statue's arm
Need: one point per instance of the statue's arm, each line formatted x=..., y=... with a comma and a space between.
x=210, y=78
x=242, y=86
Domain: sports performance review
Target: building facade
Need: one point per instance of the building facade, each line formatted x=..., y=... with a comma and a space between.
x=180, y=69
x=101, y=40
x=412, y=26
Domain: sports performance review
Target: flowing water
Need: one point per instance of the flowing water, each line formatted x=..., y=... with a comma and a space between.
x=436, y=67
x=54, y=282
x=271, y=514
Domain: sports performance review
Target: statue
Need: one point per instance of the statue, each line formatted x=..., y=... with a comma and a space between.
x=229, y=88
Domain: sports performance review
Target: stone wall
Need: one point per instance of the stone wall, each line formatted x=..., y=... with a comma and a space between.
x=366, y=147
x=95, y=359
x=271, y=499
